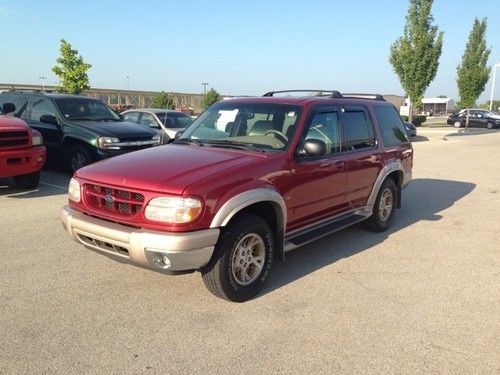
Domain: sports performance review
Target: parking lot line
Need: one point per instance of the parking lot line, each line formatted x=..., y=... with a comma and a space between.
x=65, y=188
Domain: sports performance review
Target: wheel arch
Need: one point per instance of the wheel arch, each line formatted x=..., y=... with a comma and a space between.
x=267, y=203
x=395, y=171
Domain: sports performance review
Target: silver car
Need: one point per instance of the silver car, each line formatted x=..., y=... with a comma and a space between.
x=168, y=122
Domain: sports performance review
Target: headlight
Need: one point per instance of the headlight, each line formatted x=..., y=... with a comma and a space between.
x=74, y=190
x=156, y=139
x=107, y=143
x=37, y=140
x=173, y=210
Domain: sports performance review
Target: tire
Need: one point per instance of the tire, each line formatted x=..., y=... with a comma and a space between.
x=234, y=273
x=385, y=205
x=27, y=181
x=78, y=157
x=490, y=125
x=457, y=124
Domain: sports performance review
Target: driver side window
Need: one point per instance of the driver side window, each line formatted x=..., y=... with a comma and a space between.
x=326, y=127
x=40, y=107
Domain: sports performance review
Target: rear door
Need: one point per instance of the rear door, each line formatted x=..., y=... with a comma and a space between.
x=364, y=161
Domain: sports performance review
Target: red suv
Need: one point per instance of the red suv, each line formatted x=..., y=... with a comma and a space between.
x=22, y=153
x=249, y=180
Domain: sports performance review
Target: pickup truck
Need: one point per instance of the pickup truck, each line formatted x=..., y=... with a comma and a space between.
x=249, y=180
x=22, y=153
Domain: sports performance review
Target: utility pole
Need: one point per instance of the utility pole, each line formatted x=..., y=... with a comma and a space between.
x=205, y=84
x=128, y=88
x=42, y=78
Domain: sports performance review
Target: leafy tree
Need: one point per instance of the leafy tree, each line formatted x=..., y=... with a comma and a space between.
x=415, y=55
x=495, y=105
x=472, y=71
x=71, y=70
x=162, y=100
x=210, y=98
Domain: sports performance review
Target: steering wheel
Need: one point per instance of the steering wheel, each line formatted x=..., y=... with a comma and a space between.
x=277, y=134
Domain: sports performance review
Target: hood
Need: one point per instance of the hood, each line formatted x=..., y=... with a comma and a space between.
x=118, y=129
x=169, y=169
x=9, y=123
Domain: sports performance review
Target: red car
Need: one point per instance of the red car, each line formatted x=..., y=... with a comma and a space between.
x=22, y=153
x=250, y=179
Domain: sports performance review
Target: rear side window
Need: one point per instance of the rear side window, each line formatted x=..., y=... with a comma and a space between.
x=358, y=130
x=391, y=126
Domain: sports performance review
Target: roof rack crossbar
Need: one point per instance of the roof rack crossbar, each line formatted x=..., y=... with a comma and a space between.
x=363, y=96
x=333, y=93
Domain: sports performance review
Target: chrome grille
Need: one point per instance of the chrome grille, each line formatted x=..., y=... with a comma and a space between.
x=113, y=201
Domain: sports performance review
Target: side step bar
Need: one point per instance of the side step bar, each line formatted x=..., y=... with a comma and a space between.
x=304, y=236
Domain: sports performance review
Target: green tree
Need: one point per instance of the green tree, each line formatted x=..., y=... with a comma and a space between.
x=415, y=55
x=472, y=73
x=163, y=100
x=210, y=98
x=495, y=105
x=71, y=70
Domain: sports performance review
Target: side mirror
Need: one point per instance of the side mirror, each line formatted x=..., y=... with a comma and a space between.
x=48, y=119
x=8, y=107
x=313, y=147
x=178, y=135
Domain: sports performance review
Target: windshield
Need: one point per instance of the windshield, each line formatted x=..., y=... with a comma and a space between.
x=175, y=120
x=85, y=109
x=261, y=126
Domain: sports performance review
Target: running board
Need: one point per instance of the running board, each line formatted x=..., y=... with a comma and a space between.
x=304, y=236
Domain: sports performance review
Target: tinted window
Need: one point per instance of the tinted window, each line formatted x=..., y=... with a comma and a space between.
x=358, y=130
x=86, y=109
x=391, y=126
x=149, y=120
x=175, y=120
x=40, y=107
x=326, y=127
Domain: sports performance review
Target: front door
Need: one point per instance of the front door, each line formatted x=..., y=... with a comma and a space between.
x=51, y=133
x=318, y=182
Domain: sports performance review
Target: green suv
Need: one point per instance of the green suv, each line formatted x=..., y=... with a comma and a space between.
x=77, y=129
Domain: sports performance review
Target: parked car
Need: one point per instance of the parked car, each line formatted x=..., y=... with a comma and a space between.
x=22, y=153
x=168, y=122
x=229, y=198
x=77, y=129
x=411, y=129
x=481, y=118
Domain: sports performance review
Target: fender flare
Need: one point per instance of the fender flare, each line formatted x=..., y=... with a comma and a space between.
x=393, y=166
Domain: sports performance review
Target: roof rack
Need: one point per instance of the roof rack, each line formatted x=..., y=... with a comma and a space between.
x=363, y=96
x=333, y=93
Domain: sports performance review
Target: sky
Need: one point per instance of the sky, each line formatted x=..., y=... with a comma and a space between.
x=238, y=47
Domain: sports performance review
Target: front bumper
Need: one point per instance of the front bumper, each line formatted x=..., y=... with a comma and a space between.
x=21, y=161
x=154, y=249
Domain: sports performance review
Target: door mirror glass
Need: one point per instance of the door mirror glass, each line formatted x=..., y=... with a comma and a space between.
x=48, y=119
x=313, y=147
x=178, y=134
x=8, y=108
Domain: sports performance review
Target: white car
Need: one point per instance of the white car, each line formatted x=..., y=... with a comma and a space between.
x=168, y=122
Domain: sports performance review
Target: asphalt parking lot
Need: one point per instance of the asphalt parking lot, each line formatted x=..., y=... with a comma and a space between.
x=423, y=297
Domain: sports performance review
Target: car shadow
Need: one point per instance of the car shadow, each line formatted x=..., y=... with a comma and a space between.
x=419, y=138
x=424, y=199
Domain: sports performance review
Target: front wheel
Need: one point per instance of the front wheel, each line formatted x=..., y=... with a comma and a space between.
x=242, y=259
x=79, y=157
x=489, y=125
x=27, y=181
x=384, y=208
x=457, y=124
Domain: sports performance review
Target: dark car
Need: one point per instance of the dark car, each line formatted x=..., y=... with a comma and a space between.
x=167, y=122
x=411, y=129
x=479, y=118
x=77, y=129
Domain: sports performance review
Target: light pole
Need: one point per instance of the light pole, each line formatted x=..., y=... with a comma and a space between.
x=204, y=87
x=127, y=83
x=497, y=65
x=43, y=78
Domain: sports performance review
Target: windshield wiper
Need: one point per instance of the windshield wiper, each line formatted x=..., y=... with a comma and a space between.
x=233, y=144
x=107, y=119
x=81, y=119
x=187, y=141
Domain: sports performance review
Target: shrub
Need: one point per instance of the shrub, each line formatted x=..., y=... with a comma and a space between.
x=417, y=120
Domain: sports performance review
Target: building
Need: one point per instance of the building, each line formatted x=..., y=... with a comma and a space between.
x=438, y=106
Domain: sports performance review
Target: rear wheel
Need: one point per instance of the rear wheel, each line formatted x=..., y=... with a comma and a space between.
x=384, y=208
x=27, y=181
x=79, y=157
x=242, y=259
